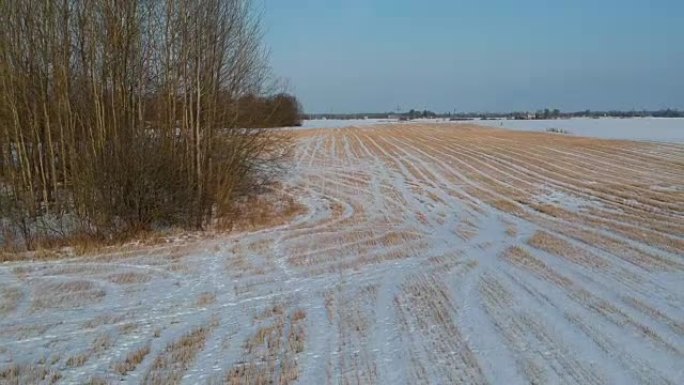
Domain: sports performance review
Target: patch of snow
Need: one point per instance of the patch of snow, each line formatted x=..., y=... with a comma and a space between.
x=643, y=129
x=549, y=195
x=667, y=188
x=344, y=123
x=341, y=123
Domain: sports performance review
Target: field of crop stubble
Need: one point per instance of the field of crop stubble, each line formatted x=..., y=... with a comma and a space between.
x=438, y=254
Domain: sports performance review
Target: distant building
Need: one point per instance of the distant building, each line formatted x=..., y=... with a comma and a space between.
x=524, y=116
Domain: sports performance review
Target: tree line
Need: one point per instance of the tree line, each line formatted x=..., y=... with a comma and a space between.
x=524, y=115
x=118, y=116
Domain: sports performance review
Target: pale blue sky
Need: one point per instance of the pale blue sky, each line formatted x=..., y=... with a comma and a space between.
x=478, y=55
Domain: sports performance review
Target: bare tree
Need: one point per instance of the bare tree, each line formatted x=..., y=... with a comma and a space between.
x=122, y=114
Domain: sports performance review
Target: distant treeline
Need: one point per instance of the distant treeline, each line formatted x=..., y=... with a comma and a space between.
x=522, y=115
x=412, y=114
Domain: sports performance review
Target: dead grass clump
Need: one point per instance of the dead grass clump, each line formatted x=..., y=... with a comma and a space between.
x=676, y=325
x=276, y=310
x=104, y=319
x=81, y=243
x=427, y=310
x=133, y=359
x=101, y=343
x=17, y=374
x=78, y=360
x=10, y=297
x=505, y=206
x=171, y=364
x=98, y=381
x=297, y=335
x=206, y=299
x=551, y=244
x=40, y=254
x=49, y=248
x=22, y=331
x=68, y=294
x=128, y=328
x=466, y=230
x=636, y=256
x=494, y=292
x=271, y=352
x=549, y=209
x=521, y=257
x=128, y=278
x=7, y=256
x=298, y=315
x=269, y=209
x=261, y=246
x=511, y=229
x=447, y=262
x=394, y=238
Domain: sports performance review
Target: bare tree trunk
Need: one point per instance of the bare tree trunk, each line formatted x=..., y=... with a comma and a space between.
x=123, y=113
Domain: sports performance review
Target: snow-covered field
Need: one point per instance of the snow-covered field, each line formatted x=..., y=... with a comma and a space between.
x=345, y=123
x=645, y=129
x=340, y=123
x=427, y=254
x=642, y=129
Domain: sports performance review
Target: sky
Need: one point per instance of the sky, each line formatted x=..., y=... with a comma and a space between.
x=342, y=56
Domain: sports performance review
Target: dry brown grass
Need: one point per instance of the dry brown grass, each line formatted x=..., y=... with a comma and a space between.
x=96, y=380
x=521, y=257
x=132, y=360
x=171, y=364
x=511, y=230
x=105, y=319
x=275, y=207
x=296, y=338
x=554, y=245
x=426, y=313
x=619, y=249
x=63, y=295
x=505, y=206
x=206, y=299
x=78, y=360
x=129, y=278
x=270, y=353
x=41, y=254
x=10, y=298
x=466, y=230
x=101, y=343
x=271, y=209
x=80, y=245
x=676, y=325
x=16, y=374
